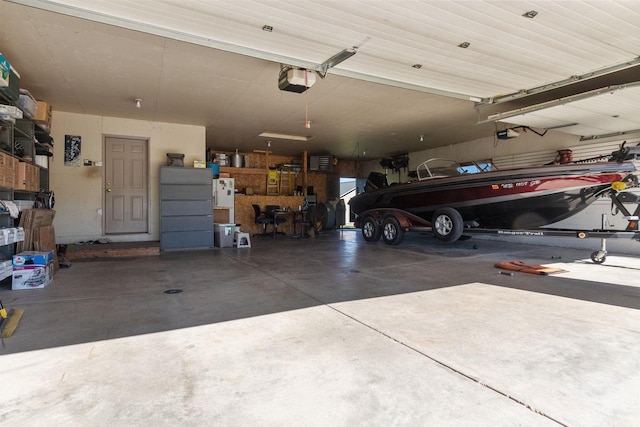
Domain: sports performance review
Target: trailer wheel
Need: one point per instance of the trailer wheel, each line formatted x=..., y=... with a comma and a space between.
x=447, y=224
x=370, y=229
x=598, y=257
x=392, y=232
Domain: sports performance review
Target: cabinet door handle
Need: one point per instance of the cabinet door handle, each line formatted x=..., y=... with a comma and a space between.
x=108, y=190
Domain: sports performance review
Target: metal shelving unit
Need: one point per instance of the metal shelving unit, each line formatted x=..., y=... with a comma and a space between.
x=20, y=142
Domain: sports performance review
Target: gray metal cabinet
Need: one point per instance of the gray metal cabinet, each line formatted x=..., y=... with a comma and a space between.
x=186, y=208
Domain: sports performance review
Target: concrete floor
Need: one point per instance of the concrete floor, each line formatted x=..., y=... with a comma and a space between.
x=329, y=331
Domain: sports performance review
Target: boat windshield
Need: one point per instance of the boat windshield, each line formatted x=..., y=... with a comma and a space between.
x=435, y=168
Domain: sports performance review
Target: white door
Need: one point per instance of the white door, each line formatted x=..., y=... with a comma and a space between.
x=126, y=187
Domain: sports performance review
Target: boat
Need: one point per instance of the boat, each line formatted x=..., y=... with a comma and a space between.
x=449, y=199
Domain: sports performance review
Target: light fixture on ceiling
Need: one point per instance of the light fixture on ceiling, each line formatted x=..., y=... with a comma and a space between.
x=267, y=28
x=307, y=124
x=138, y=102
x=421, y=138
x=464, y=45
x=417, y=66
x=268, y=143
x=285, y=136
x=336, y=59
x=530, y=14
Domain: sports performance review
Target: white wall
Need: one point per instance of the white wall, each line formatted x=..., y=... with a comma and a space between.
x=488, y=148
x=491, y=147
x=79, y=190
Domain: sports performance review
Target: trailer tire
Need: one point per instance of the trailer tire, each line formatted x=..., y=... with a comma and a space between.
x=598, y=257
x=447, y=224
x=392, y=232
x=371, y=230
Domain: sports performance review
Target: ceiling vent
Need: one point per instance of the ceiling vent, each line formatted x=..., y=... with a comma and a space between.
x=295, y=79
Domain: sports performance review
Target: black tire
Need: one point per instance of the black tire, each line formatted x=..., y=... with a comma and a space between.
x=447, y=224
x=392, y=232
x=598, y=257
x=371, y=230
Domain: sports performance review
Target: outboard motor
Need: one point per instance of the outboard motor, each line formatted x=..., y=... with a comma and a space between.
x=626, y=153
x=376, y=180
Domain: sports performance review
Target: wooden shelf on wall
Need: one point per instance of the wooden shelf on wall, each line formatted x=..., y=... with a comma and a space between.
x=245, y=171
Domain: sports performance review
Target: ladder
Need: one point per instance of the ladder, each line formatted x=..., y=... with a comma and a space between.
x=273, y=188
x=287, y=181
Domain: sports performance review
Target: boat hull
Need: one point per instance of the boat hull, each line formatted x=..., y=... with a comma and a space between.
x=515, y=199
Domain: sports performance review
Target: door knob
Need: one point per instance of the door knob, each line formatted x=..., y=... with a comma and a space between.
x=108, y=190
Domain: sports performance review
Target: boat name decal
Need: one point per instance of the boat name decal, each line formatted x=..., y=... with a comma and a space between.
x=521, y=233
x=518, y=184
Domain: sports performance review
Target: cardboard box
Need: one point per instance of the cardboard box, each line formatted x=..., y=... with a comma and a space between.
x=21, y=176
x=32, y=270
x=27, y=177
x=221, y=214
x=43, y=113
x=8, y=166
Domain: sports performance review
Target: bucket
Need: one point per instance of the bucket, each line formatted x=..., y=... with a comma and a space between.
x=215, y=169
x=237, y=160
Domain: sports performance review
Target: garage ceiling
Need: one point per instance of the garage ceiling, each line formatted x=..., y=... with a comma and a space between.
x=599, y=113
x=211, y=63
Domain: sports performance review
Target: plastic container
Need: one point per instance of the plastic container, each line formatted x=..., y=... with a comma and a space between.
x=27, y=103
x=215, y=169
x=223, y=235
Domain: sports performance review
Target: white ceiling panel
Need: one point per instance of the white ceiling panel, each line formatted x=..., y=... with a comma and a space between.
x=604, y=114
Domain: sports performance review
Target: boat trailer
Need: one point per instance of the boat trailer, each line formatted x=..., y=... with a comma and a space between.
x=447, y=225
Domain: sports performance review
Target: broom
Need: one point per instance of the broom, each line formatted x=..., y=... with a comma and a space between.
x=9, y=321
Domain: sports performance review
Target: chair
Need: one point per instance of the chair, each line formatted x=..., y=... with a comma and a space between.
x=261, y=218
x=276, y=220
x=301, y=218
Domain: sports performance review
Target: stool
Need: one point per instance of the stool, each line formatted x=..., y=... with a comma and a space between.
x=241, y=240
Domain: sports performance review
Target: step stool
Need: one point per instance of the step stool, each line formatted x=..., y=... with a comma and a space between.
x=242, y=240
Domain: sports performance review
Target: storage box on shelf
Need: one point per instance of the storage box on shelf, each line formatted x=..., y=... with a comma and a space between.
x=5, y=70
x=27, y=103
x=11, y=92
x=8, y=173
x=28, y=177
x=43, y=115
x=11, y=111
